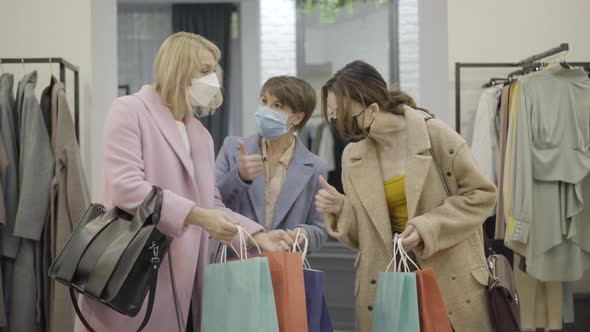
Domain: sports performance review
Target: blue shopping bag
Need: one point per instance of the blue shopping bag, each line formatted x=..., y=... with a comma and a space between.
x=238, y=296
x=318, y=317
x=396, y=306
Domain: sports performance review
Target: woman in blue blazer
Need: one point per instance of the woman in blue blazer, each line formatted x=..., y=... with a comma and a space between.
x=271, y=177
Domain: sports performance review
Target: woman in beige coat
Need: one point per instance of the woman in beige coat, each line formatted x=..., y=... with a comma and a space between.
x=395, y=142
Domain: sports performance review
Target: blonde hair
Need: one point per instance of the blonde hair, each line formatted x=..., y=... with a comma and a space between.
x=175, y=64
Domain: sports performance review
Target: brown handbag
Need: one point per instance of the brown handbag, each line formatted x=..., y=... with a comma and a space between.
x=501, y=292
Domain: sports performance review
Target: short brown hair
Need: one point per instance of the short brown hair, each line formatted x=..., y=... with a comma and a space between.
x=293, y=92
x=360, y=82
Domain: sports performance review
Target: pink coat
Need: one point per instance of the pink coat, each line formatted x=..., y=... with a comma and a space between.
x=143, y=147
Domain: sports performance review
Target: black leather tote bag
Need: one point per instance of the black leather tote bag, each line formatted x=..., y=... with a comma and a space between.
x=114, y=257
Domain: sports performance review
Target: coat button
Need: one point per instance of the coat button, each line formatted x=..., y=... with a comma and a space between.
x=373, y=281
x=370, y=308
x=454, y=278
x=468, y=301
x=449, y=174
x=452, y=151
x=450, y=313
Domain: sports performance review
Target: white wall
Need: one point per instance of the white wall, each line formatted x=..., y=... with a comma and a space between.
x=277, y=38
x=508, y=31
x=84, y=33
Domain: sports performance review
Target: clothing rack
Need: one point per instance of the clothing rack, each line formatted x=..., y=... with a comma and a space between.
x=63, y=64
x=531, y=61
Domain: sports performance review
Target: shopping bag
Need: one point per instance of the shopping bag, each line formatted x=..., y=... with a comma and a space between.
x=318, y=317
x=289, y=290
x=431, y=306
x=396, y=307
x=238, y=295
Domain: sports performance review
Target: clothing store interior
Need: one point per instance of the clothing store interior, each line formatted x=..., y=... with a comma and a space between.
x=509, y=80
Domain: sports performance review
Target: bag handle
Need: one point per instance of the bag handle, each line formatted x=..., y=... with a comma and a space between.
x=148, y=311
x=243, y=246
x=296, y=247
x=155, y=195
x=405, y=257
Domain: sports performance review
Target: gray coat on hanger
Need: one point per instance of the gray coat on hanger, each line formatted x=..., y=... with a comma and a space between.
x=9, y=244
x=8, y=131
x=35, y=174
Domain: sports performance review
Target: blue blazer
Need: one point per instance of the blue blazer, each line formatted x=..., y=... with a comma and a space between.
x=296, y=203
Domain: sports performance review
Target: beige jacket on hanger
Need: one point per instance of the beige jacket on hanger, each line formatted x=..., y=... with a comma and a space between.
x=69, y=197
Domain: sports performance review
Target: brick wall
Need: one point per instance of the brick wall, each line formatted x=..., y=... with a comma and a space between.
x=277, y=38
x=408, y=47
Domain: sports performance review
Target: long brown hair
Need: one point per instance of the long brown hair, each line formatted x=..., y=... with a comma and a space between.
x=360, y=82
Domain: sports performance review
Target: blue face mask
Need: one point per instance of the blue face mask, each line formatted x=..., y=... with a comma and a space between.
x=271, y=124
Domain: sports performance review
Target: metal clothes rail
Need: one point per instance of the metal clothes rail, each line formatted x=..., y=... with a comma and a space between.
x=63, y=65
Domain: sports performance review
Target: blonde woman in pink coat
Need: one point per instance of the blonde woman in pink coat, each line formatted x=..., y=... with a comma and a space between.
x=151, y=138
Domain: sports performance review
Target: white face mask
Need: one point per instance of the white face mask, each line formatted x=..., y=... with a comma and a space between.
x=203, y=89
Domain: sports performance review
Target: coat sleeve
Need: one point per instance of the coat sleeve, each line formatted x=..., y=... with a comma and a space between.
x=3, y=166
x=484, y=145
x=36, y=166
x=460, y=214
x=124, y=170
x=249, y=225
x=228, y=181
x=344, y=228
x=78, y=197
x=520, y=172
x=315, y=225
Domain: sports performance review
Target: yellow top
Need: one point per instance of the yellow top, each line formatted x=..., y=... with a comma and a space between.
x=395, y=194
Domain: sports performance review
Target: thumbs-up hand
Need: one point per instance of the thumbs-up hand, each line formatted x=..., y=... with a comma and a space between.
x=249, y=166
x=328, y=199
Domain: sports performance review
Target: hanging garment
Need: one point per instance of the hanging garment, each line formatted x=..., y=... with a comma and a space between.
x=326, y=148
x=8, y=131
x=8, y=243
x=35, y=174
x=504, y=116
x=3, y=168
x=568, y=303
x=45, y=246
x=541, y=303
x=307, y=135
x=485, y=141
x=69, y=196
x=551, y=156
x=516, y=246
x=46, y=104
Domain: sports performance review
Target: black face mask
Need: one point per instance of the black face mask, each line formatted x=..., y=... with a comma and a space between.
x=358, y=132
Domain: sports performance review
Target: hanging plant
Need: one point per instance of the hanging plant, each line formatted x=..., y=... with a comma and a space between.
x=329, y=9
